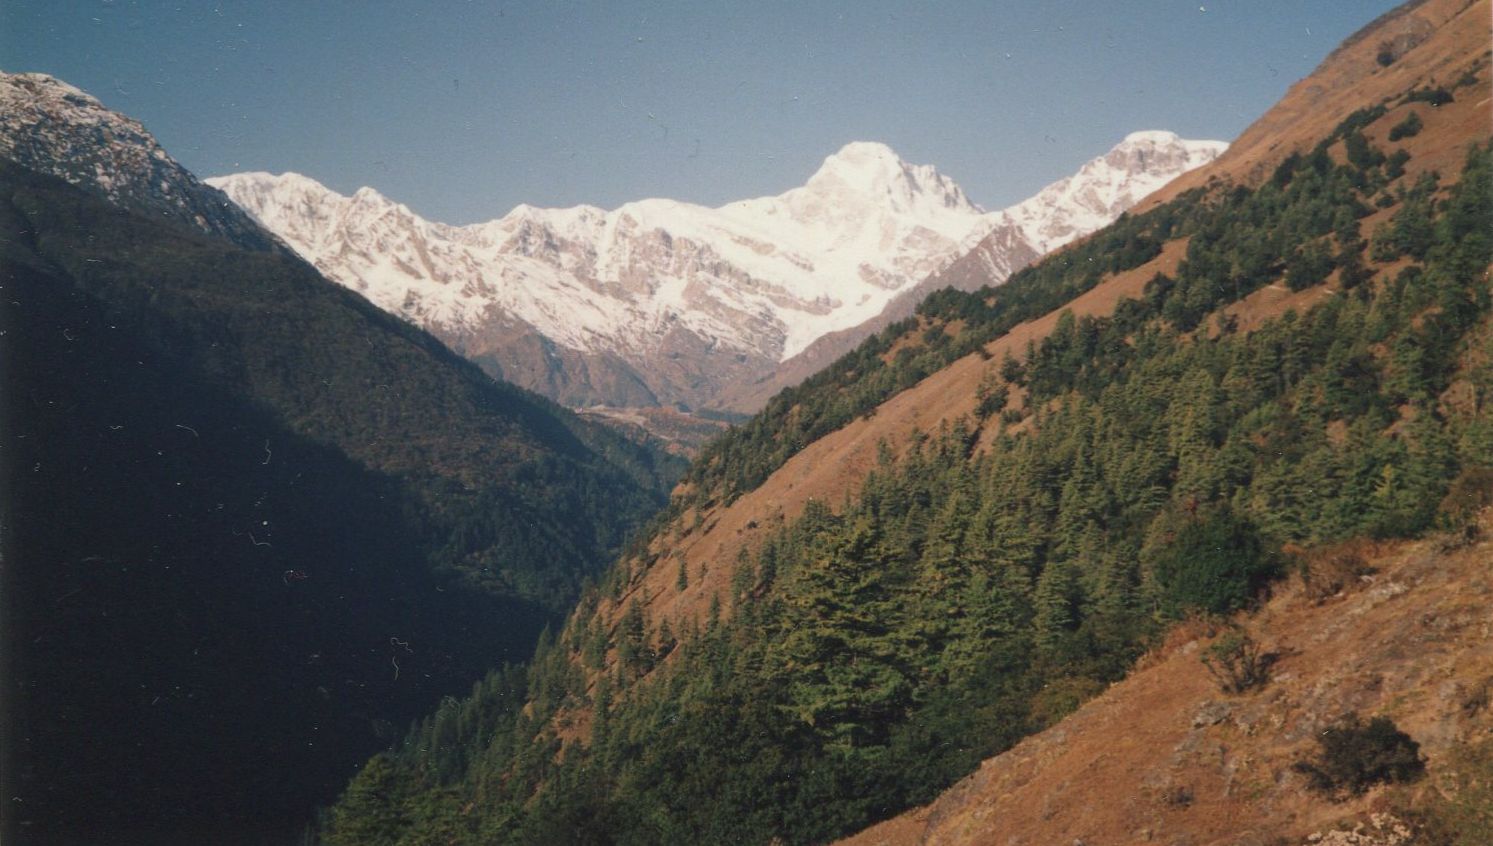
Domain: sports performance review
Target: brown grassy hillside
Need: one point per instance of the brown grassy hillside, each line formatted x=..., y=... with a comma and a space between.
x=1433, y=42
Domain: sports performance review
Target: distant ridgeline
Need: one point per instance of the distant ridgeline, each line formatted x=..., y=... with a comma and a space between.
x=983, y=582
x=254, y=524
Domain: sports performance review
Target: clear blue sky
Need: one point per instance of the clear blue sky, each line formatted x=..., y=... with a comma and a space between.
x=465, y=109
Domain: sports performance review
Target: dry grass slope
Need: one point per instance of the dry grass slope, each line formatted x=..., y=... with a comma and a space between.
x=1440, y=40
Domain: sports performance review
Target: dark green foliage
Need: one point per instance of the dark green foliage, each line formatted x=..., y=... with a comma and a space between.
x=1361, y=154
x=1437, y=96
x=1353, y=756
x=1412, y=229
x=873, y=654
x=839, y=644
x=1215, y=564
x=371, y=811
x=991, y=397
x=634, y=655
x=1394, y=168
x=1354, y=123
x=1012, y=370
x=442, y=746
x=1352, y=272
x=1407, y=128
x=1308, y=266
x=259, y=512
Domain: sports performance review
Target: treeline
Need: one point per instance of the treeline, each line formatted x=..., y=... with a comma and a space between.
x=742, y=458
x=984, y=583
x=855, y=384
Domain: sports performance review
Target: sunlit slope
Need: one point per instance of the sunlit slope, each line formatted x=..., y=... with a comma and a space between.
x=958, y=533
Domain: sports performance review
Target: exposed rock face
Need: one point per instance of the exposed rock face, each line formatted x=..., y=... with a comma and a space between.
x=666, y=303
x=51, y=127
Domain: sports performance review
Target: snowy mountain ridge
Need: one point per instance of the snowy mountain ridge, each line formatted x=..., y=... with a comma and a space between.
x=766, y=275
x=739, y=288
x=1094, y=196
x=50, y=126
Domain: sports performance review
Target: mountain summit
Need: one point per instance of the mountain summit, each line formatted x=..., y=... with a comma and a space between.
x=871, y=170
x=1002, y=243
x=666, y=302
x=49, y=126
x=1094, y=196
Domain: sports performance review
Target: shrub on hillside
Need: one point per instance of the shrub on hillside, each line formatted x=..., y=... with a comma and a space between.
x=1435, y=96
x=1326, y=572
x=1354, y=756
x=1237, y=663
x=1469, y=494
x=1407, y=128
x=1215, y=564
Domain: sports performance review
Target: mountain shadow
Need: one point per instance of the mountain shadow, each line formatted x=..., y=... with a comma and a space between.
x=253, y=526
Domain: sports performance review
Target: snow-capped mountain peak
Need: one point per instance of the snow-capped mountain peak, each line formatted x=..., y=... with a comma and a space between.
x=673, y=299
x=1101, y=189
x=865, y=167
x=52, y=127
x=371, y=197
x=1151, y=136
x=872, y=171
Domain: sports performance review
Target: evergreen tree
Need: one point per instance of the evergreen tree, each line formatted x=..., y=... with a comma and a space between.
x=841, y=653
x=370, y=812
x=1217, y=563
x=1057, y=601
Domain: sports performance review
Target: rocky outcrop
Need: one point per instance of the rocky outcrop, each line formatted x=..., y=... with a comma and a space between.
x=49, y=126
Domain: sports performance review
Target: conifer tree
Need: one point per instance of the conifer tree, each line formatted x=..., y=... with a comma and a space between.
x=841, y=651
x=371, y=811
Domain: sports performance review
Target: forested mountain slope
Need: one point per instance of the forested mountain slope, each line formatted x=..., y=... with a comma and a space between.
x=1165, y=756
x=978, y=520
x=253, y=524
